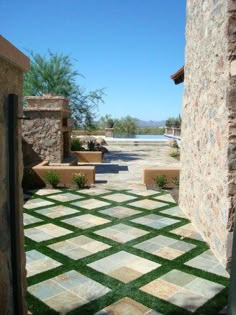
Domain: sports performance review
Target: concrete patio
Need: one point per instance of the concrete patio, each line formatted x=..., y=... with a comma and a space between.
x=118, y=248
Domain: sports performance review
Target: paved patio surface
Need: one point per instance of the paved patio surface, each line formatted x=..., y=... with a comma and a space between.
x=117, y=251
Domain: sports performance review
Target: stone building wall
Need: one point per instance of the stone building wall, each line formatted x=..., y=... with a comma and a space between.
x=12, y=64
x=207, y=157
x=43, y=133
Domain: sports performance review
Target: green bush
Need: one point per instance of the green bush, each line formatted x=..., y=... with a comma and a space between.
x=91, y=145
x=76, y=145
x=175, y=181
x=174, y=154
x=161, y=181
x=79, y=179
x=52, y=178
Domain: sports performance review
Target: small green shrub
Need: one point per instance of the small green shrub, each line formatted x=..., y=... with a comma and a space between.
x=91, y=145
x=76, y=145
x=52, y=178
x=79, y=179
x=175, y=181
x=161, y=181
x=174, y=154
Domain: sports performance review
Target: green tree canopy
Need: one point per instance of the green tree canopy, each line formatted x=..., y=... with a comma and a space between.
x=126, y=126
x=55, y=74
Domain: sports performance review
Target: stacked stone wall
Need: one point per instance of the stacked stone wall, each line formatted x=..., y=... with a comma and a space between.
x=205, y=151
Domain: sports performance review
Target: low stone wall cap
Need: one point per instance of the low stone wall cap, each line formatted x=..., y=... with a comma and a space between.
x=13, y=55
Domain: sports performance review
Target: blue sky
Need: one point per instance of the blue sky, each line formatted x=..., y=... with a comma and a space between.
x=129, y=47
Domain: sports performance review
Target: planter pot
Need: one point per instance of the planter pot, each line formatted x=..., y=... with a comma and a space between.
x=88, y=156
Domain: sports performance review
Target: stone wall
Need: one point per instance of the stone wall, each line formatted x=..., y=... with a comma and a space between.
x=12, y=64
x=43, y=133
x=208, y=126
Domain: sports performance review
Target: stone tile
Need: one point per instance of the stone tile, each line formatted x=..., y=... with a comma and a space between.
x=165, y=247
x=127, y=306
x=144, y=193
x=29, y=219
x=187, y=300
x=176, y=211
x=121, y=233
x=45, y=192
x=120, y=212
x=37, y=262
x=117, y=264
x=79, y=247
x=204, y=287
x=94, y=191
x=189, y=231
x=165, y=197
x=86, y=221
x=68, y=291
x=65, y=197
x=160, y=289
x=155, y=221
x=57, y=211
x=208, y=262
x=119, y=197
x=45, y=232
x=91, y=204
x=178, y=277
x=36, y=203
x=147, y=204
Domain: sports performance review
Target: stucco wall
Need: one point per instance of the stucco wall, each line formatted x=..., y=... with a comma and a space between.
x=10, y=82
x=204, y=192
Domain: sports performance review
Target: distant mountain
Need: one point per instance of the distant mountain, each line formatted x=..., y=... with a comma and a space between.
x=150, y=123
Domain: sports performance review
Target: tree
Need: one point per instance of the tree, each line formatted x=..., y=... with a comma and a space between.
x=126, y=126
x=54, y=74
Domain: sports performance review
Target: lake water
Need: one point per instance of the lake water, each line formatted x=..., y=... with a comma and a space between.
x=143, y=137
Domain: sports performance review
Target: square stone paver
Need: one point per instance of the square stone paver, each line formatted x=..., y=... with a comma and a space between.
x=57, y=211
x=165, y=197
x=121, y=233
x=208, y=262
x=182, y=289
x=94, y=191
x=120, y=212
x=175, y=211
x=165, y=247
x=36, y=203
x=65, y=197
x=45, y=232
x=119, y=197
x=127, y=306
x=90, y=204
x=68, y=291
x=45, y=192
x=86, y=221
x=147, y=204
x=37, y=262
x=29, y=219
x=189, y=231
x=144, y=193
x=79, y=247
x=124, y=266
x=155, y=221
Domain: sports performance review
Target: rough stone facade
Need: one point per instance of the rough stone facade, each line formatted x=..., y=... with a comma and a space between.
x=46, y=135
x=208, y=149
x=12, y=64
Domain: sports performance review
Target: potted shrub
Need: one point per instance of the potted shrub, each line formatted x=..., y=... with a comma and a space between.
x=109, y=123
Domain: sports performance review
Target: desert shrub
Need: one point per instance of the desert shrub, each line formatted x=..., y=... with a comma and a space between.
x=91, y=145
x=76, y=145
x=174, y=154
x=175, y=181
x=52, y=178
x=79, y=179
x=161, y=181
